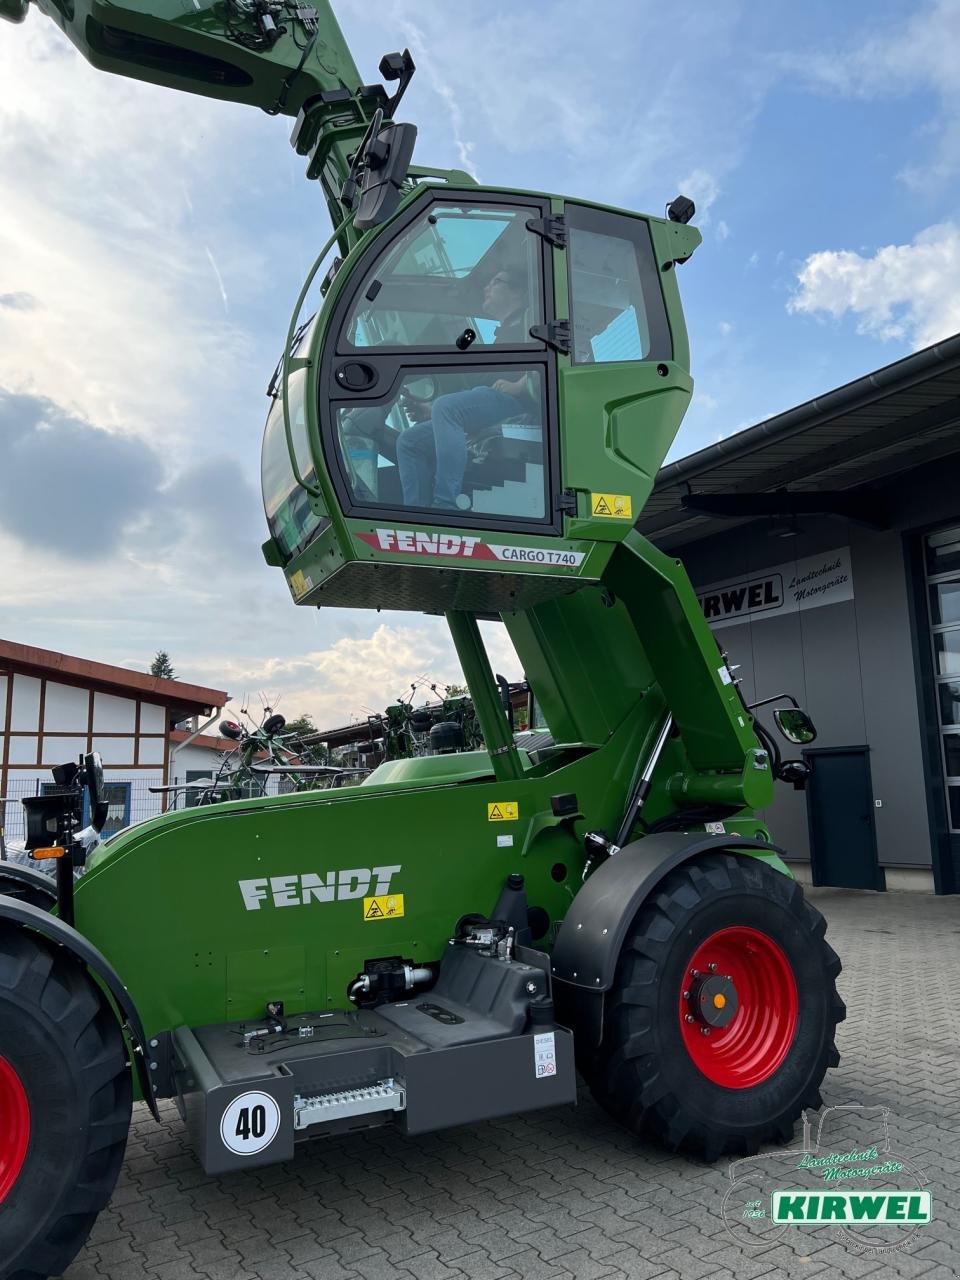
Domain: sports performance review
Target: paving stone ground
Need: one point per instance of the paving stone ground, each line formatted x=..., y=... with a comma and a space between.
x=565, y=1193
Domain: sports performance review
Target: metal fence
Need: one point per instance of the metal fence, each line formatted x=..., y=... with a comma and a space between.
x=130, y=799
x=130, y=802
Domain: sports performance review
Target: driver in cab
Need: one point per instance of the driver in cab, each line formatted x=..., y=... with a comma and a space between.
x=432, y=454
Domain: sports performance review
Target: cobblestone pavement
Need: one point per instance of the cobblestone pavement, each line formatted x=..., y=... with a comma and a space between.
x=565, y=1193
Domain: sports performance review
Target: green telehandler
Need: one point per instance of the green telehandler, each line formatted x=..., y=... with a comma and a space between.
x=468, y=426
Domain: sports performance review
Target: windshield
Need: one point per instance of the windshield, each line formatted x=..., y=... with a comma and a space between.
x=290, y=517
x=453, y=269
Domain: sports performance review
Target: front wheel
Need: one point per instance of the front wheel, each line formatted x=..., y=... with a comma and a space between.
x=720, y=1024
x=65, y=1103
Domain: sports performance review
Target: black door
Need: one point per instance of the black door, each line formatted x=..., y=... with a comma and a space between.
x=843, y=844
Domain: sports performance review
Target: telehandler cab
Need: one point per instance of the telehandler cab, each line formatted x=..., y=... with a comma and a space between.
x=469, y=426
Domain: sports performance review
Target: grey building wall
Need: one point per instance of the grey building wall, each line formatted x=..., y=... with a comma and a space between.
x=851, y=664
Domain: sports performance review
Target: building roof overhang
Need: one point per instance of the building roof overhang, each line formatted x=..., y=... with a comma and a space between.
x=832, y=455
x=180, y=697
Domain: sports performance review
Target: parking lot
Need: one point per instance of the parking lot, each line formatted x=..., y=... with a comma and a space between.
x=566, y=1193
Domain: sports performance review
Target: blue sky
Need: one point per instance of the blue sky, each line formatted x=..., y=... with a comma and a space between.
x=151, y=245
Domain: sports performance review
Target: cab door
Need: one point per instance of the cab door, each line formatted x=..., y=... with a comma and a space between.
x=438, y=387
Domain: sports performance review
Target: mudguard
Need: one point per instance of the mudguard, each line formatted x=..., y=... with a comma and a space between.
x=588, y=944
x=17, y=875
x=54, y=929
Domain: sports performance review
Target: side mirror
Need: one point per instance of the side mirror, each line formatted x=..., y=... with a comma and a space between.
x=93, y=779
x=795, y=725
x=386, y=162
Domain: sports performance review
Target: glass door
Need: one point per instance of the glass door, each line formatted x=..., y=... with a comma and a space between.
x=441, y=389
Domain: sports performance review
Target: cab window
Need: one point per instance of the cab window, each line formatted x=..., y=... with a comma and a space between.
x=290, y=517
x=616, y=305
x=464, y=440
x=455, y=269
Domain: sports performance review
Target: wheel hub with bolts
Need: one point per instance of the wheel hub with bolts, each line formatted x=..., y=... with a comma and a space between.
x=14, y=1127
x=712, y=999
x=738, y=1007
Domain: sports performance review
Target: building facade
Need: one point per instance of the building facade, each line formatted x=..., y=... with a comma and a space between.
x=825, y=548
x=54, y=707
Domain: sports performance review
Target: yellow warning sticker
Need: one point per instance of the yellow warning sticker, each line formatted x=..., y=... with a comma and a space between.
x=299, y=584
x=387, y=907
x=503, y=811
x=618, y=506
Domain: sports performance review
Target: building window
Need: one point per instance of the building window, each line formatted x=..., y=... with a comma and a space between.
x=942, y=562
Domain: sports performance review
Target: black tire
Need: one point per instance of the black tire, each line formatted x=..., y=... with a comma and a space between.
x=644, y=1074
x=62, y=1048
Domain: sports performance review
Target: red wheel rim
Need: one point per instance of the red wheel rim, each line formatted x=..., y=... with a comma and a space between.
x=14, y=1127
x=753, y=1044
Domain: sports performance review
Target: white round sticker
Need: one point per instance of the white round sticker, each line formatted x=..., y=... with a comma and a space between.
x=250, y=1123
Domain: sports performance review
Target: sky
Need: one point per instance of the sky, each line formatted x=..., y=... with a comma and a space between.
x=152, y=245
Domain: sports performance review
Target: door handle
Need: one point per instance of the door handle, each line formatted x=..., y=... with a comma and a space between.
x=356, y=376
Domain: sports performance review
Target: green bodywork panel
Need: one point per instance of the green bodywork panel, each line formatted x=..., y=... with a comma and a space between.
x=418, y=771
x=163, y=900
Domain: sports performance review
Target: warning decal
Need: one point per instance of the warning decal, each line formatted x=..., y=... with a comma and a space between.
x=503, y=811
x=618, y=506
x=300, y=584
x=544, y=1055
x=386, y=907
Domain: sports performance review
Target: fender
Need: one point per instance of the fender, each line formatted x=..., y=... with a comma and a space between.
x=588, y=945
x=54, y=929
x=19, y=877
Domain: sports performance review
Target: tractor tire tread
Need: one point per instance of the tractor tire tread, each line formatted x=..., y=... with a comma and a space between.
x=627, y=1076
x=74, y=1010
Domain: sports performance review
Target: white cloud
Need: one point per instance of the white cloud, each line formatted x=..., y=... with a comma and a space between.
x=357, y=673
x=723, y=230
x=922, y=53
x=125, y=323
x=574, y=101
x=904, y=292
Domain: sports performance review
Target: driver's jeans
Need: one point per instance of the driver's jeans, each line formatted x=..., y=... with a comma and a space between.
x=432, y=456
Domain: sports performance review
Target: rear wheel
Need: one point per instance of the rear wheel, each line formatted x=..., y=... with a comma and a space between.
x=28, y=885
x=720, y=1025
x=65, y=1102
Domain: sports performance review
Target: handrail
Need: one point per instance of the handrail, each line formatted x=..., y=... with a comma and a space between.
x=313, y=490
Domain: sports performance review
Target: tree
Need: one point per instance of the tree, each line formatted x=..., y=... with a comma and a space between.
x=302, y=726
x=162, y=666
x=457, y=691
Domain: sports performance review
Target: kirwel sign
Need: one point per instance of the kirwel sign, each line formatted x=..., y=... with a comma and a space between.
x=808, y=583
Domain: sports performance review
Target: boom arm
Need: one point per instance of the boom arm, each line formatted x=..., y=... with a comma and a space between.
x=288, y=57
